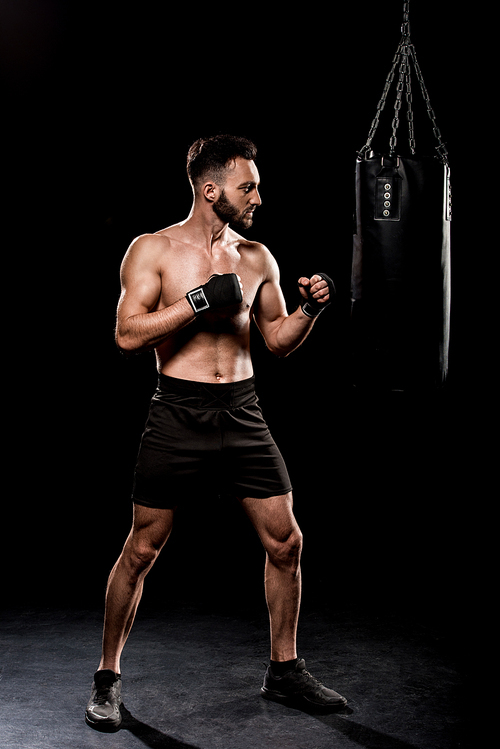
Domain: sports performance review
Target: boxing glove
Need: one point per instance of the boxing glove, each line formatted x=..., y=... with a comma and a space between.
x=311, y=306
x=220, y=290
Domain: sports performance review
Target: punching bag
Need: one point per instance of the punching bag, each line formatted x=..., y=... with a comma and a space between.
x=400, y=281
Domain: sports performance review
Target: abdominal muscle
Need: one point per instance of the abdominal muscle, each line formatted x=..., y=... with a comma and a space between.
x=207, y=353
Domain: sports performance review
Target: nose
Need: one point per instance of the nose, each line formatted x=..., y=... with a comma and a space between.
x=256, y=199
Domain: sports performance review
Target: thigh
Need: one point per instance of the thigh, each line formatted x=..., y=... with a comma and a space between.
x=152, y=526
x=272, y=518
x=179, y=447
x=252, y=463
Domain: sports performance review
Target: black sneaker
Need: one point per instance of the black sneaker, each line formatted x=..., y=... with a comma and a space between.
x=103, y=710
x=297, y=688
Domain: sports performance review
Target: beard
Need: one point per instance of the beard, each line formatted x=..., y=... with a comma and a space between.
x=228, y=213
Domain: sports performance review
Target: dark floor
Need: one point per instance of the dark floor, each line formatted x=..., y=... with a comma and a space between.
x=192, y=677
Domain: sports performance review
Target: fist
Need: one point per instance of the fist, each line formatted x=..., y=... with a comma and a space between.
x=315, y=288
x=221, y=290
x=317, y=293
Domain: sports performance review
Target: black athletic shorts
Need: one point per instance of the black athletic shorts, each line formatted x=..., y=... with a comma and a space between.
x=205, y=440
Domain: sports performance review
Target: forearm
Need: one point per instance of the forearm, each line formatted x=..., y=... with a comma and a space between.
x=289, y=333
x=145, y=331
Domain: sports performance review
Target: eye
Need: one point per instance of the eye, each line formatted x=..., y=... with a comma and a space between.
x=248, y=188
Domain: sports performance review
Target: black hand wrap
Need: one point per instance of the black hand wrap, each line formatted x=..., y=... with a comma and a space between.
x=312, y=307
x=219, y=291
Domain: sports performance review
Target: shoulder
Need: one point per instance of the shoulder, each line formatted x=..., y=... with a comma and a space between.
x=148, y=243
x=146, y=249
x=259, y=254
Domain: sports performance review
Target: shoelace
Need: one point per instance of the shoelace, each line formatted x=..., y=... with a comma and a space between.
x=102, y=694
x=305, y=681
x=310, y=676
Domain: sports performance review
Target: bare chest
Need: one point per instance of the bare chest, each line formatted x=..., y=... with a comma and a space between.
x=183, y=271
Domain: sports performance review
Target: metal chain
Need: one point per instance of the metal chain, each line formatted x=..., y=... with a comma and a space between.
x=409, y=112
x=405, y=28
x=382, y=102
x=441, y=147
x=403, y=77
x=405, y=54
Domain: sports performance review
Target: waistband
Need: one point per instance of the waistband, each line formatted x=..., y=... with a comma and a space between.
x=207, y=395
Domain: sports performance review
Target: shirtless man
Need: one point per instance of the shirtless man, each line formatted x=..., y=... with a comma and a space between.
x=190, y=292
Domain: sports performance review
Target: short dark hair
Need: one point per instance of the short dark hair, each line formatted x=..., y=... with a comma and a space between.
x=210, y=157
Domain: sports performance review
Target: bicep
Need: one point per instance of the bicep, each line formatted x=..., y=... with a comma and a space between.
x=140, y=283
x=270, y=310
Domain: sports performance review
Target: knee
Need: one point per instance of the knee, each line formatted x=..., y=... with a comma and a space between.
x=140, y=558
x=285, y=552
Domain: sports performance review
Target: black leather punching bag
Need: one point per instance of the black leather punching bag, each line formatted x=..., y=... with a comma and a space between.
x=401, y=273
x=401, y=254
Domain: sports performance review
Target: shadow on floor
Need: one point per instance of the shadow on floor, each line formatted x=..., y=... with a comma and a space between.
x=150, y=736
x=365, y=737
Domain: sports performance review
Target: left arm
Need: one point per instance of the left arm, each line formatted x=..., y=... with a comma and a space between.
x=284, y=333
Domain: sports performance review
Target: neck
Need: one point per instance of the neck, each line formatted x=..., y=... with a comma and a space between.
x=205, y=227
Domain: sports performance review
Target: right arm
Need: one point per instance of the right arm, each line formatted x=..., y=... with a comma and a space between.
x=138, y=328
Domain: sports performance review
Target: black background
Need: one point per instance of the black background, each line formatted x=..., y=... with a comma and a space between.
x=103, y=103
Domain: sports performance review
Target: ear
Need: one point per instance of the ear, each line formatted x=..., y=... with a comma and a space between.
x=211, y=191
